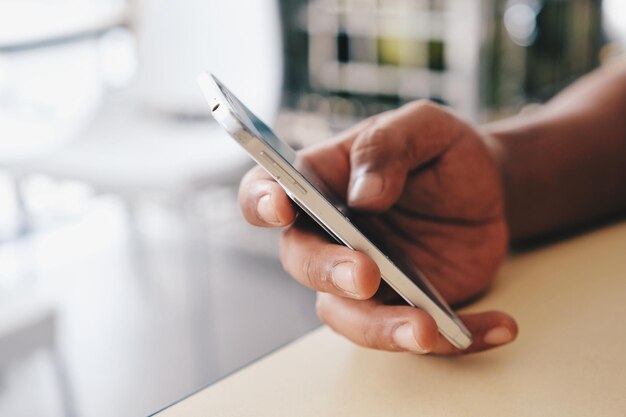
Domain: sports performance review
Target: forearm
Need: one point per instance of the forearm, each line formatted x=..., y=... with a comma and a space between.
x=565, y=164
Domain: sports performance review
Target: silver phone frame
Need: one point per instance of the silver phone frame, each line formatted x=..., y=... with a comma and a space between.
x=311, y=200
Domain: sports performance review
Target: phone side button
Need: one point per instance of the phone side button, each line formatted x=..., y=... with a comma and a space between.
x=287, y=181
x=283, y=173
x=298, y=186
x=268, y=158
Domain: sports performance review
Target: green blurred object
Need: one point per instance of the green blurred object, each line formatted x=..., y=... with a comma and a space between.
x=436, y=55
x=389, y=51
x=488, y=58
x=406, y=52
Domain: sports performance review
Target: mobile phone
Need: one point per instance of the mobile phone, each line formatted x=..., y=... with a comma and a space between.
x=309, y=192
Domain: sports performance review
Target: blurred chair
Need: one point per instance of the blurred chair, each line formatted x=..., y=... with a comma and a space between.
x=25, y=329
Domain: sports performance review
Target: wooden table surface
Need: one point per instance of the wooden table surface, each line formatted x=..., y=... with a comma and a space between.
x=570, y=358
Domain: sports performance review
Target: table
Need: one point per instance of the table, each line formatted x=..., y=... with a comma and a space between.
x=570, y=358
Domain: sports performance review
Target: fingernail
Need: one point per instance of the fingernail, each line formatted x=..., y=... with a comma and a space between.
x=366, y=187
x=265, y=209
x=498, y=336
x=343, y=278
x=404, y=338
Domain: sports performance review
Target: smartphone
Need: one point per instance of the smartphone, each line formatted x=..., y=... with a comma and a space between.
x=309, y=192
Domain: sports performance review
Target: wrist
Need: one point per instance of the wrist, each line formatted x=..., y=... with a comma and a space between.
x=494, y=142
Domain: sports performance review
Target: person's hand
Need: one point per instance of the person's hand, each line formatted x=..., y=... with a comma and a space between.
x=432, y=182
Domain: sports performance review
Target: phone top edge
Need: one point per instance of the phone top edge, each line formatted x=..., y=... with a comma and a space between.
x=208, y=85
x=221, y=110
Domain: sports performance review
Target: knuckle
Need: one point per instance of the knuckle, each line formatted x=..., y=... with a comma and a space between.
x=294, y=259
x=433, y=113
x=437, y=122
x=374, y=138
x=378, y=335
x=374, y=143
x=311, y=271
x=425, y=106
x=371, y=336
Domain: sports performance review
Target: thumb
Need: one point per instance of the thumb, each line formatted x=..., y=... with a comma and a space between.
x=383, y=154
x=378, y=169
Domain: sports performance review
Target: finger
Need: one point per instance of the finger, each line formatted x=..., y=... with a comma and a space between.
x=263, y=202
x=330, y=159
x=383, y=153
x=404, y=328
x=489, y=329
x=378, y=326
x=312, y=260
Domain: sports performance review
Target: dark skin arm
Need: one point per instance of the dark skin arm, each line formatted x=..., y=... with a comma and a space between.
x=565, y=165
x=448, y=194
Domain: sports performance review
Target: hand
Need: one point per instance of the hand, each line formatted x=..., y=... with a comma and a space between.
x=431, y=180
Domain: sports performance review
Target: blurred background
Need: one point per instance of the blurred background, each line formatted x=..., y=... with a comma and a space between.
x=128, y=278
